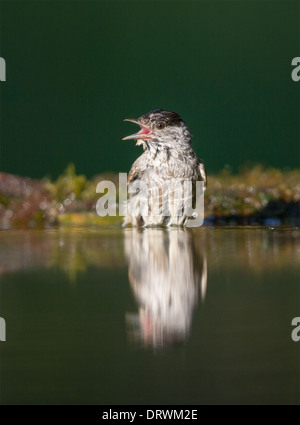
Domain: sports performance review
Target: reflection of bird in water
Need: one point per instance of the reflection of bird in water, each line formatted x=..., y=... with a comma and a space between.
x=165, y=278
x=168, y=158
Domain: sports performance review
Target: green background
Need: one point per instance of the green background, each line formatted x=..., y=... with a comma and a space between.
x=76, y=69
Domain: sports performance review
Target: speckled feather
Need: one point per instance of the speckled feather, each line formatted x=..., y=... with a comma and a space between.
x=167, y=156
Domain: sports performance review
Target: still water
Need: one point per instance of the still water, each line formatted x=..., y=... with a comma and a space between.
x=119, y=316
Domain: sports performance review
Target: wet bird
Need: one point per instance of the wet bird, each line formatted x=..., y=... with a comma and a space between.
x=168, y=157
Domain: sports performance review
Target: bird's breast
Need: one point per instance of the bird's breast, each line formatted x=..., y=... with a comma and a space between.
x=169, y=164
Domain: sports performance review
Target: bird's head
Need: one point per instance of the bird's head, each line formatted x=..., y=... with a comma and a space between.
x=160, y=127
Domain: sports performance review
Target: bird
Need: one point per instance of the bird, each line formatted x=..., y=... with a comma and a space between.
x=168, y=159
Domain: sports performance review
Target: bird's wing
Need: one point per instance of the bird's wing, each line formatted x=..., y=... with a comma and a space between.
x=135, y=172
x=202, y=173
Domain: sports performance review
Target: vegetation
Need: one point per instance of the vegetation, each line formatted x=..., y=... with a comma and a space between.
x=256, y=195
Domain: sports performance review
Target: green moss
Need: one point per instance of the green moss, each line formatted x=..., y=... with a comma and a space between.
x=87, y=219
x=68, y=185
x=4, y=200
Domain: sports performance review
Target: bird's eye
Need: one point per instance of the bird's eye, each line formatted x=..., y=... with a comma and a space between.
x=160, y=125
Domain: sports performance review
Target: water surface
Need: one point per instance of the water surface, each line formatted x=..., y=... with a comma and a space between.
x=119, y=316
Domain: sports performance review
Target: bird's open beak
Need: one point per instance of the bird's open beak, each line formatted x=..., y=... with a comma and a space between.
x=144, y=133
